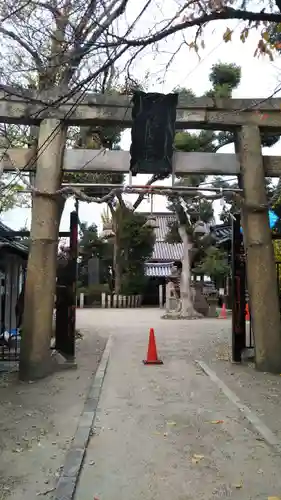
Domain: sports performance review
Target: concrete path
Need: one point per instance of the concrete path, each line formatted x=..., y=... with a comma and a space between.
x=168, y=432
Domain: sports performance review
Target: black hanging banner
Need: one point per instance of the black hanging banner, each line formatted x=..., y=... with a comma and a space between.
x=153, y=131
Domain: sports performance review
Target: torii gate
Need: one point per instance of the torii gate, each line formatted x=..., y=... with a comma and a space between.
x=246, y=118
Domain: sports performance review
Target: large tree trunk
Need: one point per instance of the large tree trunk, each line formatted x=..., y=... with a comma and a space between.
x=117, y=265
x=187, y=308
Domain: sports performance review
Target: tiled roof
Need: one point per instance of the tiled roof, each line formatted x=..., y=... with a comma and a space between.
x=9, y=242
x=164, y=270
x=164, y=251
x=158, y=269
x=167, y=251
x=162, y=227
x=162, y=221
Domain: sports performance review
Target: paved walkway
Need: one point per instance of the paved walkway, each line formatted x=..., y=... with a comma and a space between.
x=168, y=432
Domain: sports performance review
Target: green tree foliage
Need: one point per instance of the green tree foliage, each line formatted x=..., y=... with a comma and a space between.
x=277, y=255
x=232, y=208
x=91, y=245
x=214, y=264
x=136, y=241
x=12, y=197
x=224, y=79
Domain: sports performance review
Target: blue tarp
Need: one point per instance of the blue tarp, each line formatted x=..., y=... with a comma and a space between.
x=273, y=218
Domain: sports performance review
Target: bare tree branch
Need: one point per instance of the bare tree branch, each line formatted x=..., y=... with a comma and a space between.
x=15, y=12
x=27, y=47
x=222, y=14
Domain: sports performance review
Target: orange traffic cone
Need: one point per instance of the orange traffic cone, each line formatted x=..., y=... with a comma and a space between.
x=152, y=358
x=247, y=313
x=223, y=314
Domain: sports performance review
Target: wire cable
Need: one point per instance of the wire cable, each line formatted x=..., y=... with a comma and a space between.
x=75, y=104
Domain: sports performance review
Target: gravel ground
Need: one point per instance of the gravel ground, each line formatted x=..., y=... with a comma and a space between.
x=38, y=421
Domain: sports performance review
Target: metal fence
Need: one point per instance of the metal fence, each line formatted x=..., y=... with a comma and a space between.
x=12, y=277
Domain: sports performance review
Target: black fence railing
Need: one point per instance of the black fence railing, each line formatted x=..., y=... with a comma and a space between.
x=12, y=273
x=12, y=279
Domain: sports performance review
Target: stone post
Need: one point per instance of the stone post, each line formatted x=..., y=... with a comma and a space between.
x=103, y=300
x=161, y=296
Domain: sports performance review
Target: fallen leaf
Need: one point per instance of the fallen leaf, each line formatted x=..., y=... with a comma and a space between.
x=238, y=486
x=171, y=423
x=165, y=434
x=92, y=462
x=217, y=422
x=197, y=458
x=274, y=498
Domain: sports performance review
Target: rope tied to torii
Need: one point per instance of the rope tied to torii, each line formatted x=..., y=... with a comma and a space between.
x=226, y=194
x=157, y=190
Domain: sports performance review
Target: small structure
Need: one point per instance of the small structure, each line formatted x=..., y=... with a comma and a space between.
x=166, y=255
x=13, y=259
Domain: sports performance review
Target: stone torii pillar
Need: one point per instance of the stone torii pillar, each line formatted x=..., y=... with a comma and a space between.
x=35, y=354
x=261, y=269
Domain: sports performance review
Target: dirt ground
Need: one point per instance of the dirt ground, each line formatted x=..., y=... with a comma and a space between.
x=38, y=421
x=261, y=392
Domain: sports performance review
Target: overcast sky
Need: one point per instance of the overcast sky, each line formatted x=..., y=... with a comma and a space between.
x=260, y=78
